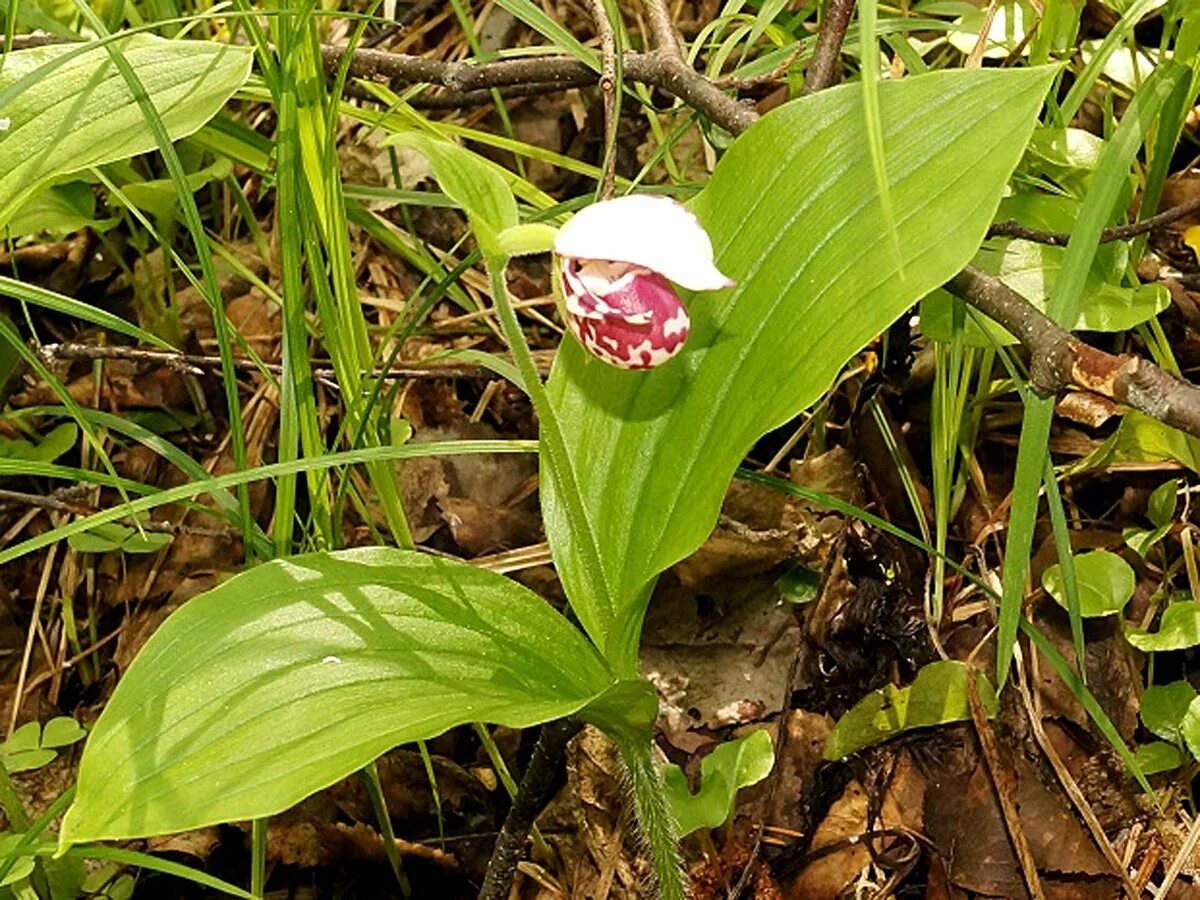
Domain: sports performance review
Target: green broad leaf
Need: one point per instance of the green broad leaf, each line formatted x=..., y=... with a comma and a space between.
x=1140, y=540
x=101, y=539
x=28, y=760
x=1159, y=756
x=937, y=696
x=732, y=766
x=1178, y=629
x=146, y=541
x=1191, y=728
x=1160, y=509
x=160, y=197
x=69, y=108
x=300, y=671
x=61, y=439
x=799, y=585
x=1163, y=708
x=1069, y=156
x=113, y=536
x=1106, y=583
x=795, y=219
x=62, y=731
x=27, y=737
x=1141, y=439
x=527, y=239
x=470, y=181
x=22, y=868
x=58, y=210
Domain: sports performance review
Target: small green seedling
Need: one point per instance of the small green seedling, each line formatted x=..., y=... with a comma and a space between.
x=1160, y=510
x=1178, y=629
x=48, y=449
x=724, y=772
x=799, y=585
x=1164, y=711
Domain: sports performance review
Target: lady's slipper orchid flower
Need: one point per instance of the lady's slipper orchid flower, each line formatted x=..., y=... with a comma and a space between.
x=619, y=258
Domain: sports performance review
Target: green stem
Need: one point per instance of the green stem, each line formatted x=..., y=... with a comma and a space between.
x=258, y=857
x=554, y=445
x=655, y=822
x=370, y=777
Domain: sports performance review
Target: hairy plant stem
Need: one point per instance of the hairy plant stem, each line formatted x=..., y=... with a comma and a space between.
x=655, y=823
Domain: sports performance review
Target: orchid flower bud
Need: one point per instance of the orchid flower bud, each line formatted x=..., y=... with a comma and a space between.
x=619, y=259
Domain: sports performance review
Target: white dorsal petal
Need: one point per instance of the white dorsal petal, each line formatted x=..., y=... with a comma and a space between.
x=645, y=230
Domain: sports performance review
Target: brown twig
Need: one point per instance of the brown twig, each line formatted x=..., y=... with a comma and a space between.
x=532, y=796
x=1004, y=781
x=677, y=77
x=663, y=28
x=197, y=364
x=608, y=95
x=1071, y=788
x=1059, y=359
x=1013, y=229
x=665, y=71
x=825, y=68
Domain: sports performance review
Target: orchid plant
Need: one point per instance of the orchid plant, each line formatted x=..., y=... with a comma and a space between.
x=697, y=329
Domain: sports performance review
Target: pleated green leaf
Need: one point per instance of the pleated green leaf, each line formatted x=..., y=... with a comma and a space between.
x=795, y=218
x=68, y=108
x=298, y=672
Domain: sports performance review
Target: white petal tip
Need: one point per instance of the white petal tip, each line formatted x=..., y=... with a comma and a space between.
x=645, y=230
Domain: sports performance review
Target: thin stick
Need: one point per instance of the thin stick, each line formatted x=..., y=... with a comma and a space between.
x=1120, y=233
x=195, y=364
x=1002, y=780
x=608, y=95
x=1072, y=789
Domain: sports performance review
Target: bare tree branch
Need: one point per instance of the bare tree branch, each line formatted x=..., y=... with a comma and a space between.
x=666, y=71
x=825, y=68
x=663, y=28
x=608, y=95
x=1014, y=229
x=1060, y=360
